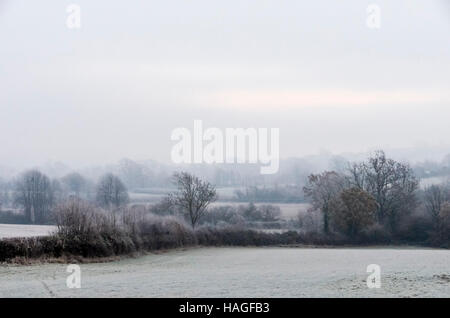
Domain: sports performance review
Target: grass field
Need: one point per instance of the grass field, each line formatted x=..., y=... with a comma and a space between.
x=243, y=272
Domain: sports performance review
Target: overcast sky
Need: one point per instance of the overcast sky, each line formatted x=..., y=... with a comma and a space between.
x=136, y=70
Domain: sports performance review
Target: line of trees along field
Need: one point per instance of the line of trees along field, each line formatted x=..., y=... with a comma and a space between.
x=36, y=195
x=380, y=198
x=376, y=201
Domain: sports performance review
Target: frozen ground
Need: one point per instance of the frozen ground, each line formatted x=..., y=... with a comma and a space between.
x=19, y=230
x=243, y=272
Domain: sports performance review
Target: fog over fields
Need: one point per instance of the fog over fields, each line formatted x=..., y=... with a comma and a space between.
x=236, y=148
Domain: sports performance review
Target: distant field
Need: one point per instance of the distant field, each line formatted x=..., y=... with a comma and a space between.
x=21, y=230
x=154, y=195
x=138, y=197
x=426, y=182
x=288, y=210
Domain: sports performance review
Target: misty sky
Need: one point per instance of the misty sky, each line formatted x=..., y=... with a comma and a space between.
x=136, y=70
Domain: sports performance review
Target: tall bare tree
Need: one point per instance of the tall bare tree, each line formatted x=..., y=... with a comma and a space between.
x=435, y=197
x=111, y=192
x=34, y=193
x=193, y=196
x=444, y=220
x=391, y=183
x=74, y=183
x=4, y=195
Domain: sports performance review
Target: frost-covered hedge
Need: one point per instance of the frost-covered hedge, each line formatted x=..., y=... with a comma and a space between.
x=89, y=232
x=86, y=231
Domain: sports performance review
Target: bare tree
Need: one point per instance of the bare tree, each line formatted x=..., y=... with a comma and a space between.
x=111, y=192
x=133, y=174
x=57, y=189
x=4, y=195
x=444, y=219
x=193, y=196
x=34, y=193
x=434, y=198
x=391, y=183
x=322, y=189
x=74, y=183
x=270, y=213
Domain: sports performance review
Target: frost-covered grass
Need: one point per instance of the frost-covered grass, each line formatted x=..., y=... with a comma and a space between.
x=20, y=230
x=243, y=272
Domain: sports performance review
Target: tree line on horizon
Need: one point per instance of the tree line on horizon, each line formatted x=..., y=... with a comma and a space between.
x=381, y=198
x=35, y=194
